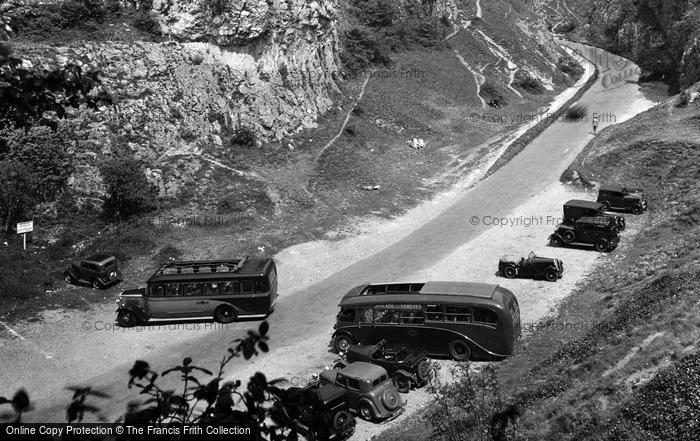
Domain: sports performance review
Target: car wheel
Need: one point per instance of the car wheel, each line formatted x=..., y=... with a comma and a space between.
x=423, y=372
x=606, y=205
x=510, y=272
x=601, y=246
x=225, y=314
x=402, y=383
x=569, y=236
x=68, y=277
x=97, y=284
x=555, y=241
x=365, y=411
x=340, y=420
x=126, y=319
x=391, y=399
x=459, y=350
x=341, y=343
x=551, y=275
x=636, y=209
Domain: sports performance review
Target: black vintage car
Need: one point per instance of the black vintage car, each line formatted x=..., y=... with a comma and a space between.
x=596, y=231
x=576, y=208
x=532, y=267
x=618, y=197
x=318, y=412
x=407, y=368
x=98, y=271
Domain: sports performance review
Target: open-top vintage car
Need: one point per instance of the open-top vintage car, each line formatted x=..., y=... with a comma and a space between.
x=368, y=390
x=318, y=412
x=619, y=197
x=532, y=267
x=98, y=271
x=407, y=368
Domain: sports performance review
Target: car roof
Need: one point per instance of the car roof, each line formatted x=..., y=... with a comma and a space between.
x=99, y=258
x=329, y=392
x=363, y=371
x=584, y=204
x=613, y=187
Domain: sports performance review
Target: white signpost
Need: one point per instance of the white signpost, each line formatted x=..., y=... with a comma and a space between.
x=23, y=228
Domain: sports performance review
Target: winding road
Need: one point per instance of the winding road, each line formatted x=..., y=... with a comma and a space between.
x=308, y=314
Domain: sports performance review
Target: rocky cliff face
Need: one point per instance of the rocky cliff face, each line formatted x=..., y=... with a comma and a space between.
x=264, y=65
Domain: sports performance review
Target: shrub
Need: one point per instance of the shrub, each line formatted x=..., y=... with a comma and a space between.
x=244, y=137
x=362, y=50
x=128, y=190
x=528, y=83
x=683, y=99
x=377, y=13
x=18, y=189
x=145, y=21
x=46, y=154
x=416, y=32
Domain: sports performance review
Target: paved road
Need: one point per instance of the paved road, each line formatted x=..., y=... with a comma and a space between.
x=305, y=314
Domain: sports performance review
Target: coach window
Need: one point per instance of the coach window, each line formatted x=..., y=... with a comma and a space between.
x=386, y=316
x=365, y=315
x=192, y=289
x=458, y=314
x=172, y=290
x=230, y=287
x=435, y=313
x=157, y=290
x=247, y=287
x=485, y=316
x=347, y=315
x=211, y=289
x=416, y=317
x=258, y=286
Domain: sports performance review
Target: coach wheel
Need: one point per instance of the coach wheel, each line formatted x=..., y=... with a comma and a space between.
x=341, y=343
x=459, y=350
x=510, y=272
x=225, y=314
x=126, y=319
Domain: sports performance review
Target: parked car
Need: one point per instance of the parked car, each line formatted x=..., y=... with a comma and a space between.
x=576, y=209
x=99, y=271
x=318, y=412
x=618, y=197
x=368, y=390
x=407, y=368
x=596, y=231
x=532, y=267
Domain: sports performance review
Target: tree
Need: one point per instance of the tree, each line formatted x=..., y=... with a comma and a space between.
x=18, y=190
x=128, y=190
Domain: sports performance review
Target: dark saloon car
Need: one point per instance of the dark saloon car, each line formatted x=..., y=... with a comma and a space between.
x=317, y=412
x=576, y=209
x=532, y=267
x=98, y=271
x=618, y=197
x=596, y=231
x=407, y=368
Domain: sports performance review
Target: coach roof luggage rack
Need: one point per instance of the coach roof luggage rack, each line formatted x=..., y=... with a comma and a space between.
x=209, y=266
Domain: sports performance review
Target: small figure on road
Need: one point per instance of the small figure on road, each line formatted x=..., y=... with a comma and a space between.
x=595, y=123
